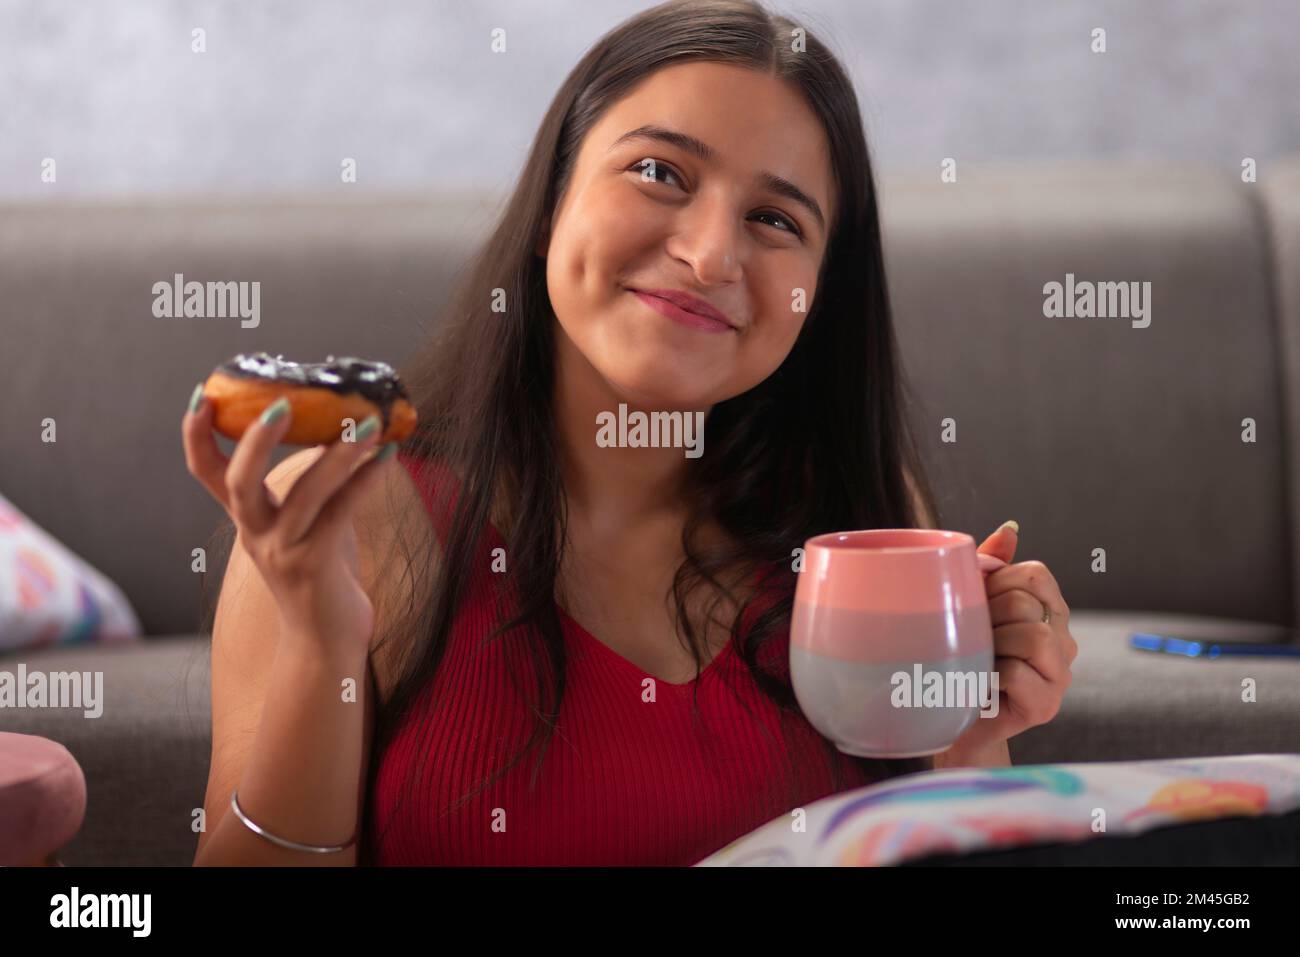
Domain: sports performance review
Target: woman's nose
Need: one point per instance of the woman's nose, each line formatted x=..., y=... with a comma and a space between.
x=708, y=242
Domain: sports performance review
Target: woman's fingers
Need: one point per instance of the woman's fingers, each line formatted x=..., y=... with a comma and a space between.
x=237, y=481
x=1035, y=643
x=336, y=512
x=250, y=501
x=315, y=488
x=203, y=457
x=1029, y=694
x=1034, y=577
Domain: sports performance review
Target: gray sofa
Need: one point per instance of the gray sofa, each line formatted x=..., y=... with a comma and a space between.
x=1092, y=433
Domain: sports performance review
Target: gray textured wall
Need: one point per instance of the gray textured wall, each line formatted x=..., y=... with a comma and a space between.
x=411, y=90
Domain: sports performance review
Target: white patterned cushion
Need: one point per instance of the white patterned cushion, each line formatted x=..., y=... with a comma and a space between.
x=50, y=596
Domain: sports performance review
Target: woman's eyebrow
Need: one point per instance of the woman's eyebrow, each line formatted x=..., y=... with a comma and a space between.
x=701, y=149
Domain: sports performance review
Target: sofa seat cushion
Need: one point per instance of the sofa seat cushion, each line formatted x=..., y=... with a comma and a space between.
x=1129, y=705
x=145, y=757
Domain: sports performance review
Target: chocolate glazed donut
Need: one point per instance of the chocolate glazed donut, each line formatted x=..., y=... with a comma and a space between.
x=321, y=396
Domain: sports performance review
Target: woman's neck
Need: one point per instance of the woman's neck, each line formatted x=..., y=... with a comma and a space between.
x=610, y=486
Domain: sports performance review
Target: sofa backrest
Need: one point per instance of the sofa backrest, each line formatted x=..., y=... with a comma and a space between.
x=1096, y=434
x=1091, y=433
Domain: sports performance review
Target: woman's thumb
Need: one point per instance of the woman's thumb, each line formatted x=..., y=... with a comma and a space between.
x=999, y=548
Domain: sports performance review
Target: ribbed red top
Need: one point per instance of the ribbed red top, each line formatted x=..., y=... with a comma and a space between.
x=625, y=781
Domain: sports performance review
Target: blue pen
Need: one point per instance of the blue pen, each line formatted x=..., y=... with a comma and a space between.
x=1204, y=649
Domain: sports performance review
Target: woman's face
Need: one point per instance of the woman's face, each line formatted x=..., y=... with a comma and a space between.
x=644, y=213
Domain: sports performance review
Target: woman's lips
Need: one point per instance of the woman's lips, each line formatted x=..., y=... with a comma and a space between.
x=685, y=317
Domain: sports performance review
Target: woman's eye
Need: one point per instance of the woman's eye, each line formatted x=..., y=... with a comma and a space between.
x=787, y=224
x=650, y=170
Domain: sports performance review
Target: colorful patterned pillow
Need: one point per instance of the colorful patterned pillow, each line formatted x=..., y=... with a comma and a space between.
x=49, y=596
x=965, y=810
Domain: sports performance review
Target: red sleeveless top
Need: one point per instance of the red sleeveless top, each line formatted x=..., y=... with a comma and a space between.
x=626, y=780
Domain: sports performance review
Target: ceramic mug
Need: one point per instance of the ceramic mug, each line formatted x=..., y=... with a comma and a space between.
x=891, y=644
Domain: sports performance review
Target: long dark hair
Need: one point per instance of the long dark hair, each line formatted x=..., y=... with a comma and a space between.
x=820, y=445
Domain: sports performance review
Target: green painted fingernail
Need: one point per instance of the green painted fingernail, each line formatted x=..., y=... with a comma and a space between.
x=386, y=452
x=366, y=427
x=277, y=409
x=196, y=399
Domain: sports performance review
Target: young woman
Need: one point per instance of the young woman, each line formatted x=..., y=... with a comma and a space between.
x=695, y=231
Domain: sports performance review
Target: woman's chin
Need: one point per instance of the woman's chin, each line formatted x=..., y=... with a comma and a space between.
x=652, y=392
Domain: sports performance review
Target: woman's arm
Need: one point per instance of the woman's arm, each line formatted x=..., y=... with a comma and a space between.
x=283, y=730
x=299, y=774
x=997, y=756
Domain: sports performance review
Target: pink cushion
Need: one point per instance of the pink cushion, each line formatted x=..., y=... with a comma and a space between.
x=42, y=798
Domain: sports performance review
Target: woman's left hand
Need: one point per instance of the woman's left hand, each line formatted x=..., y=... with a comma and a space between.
x=1032, y=657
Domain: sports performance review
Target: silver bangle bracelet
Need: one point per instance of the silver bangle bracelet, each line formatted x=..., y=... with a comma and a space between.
x=289, y=845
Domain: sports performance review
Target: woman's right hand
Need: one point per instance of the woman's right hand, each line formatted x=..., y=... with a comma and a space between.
x=305, y=547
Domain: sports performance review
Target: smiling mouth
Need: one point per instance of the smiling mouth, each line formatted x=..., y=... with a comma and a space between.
x=682, y=315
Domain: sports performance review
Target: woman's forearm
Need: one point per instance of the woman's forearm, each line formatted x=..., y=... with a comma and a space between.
x=996, y=755
x=302, y=777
